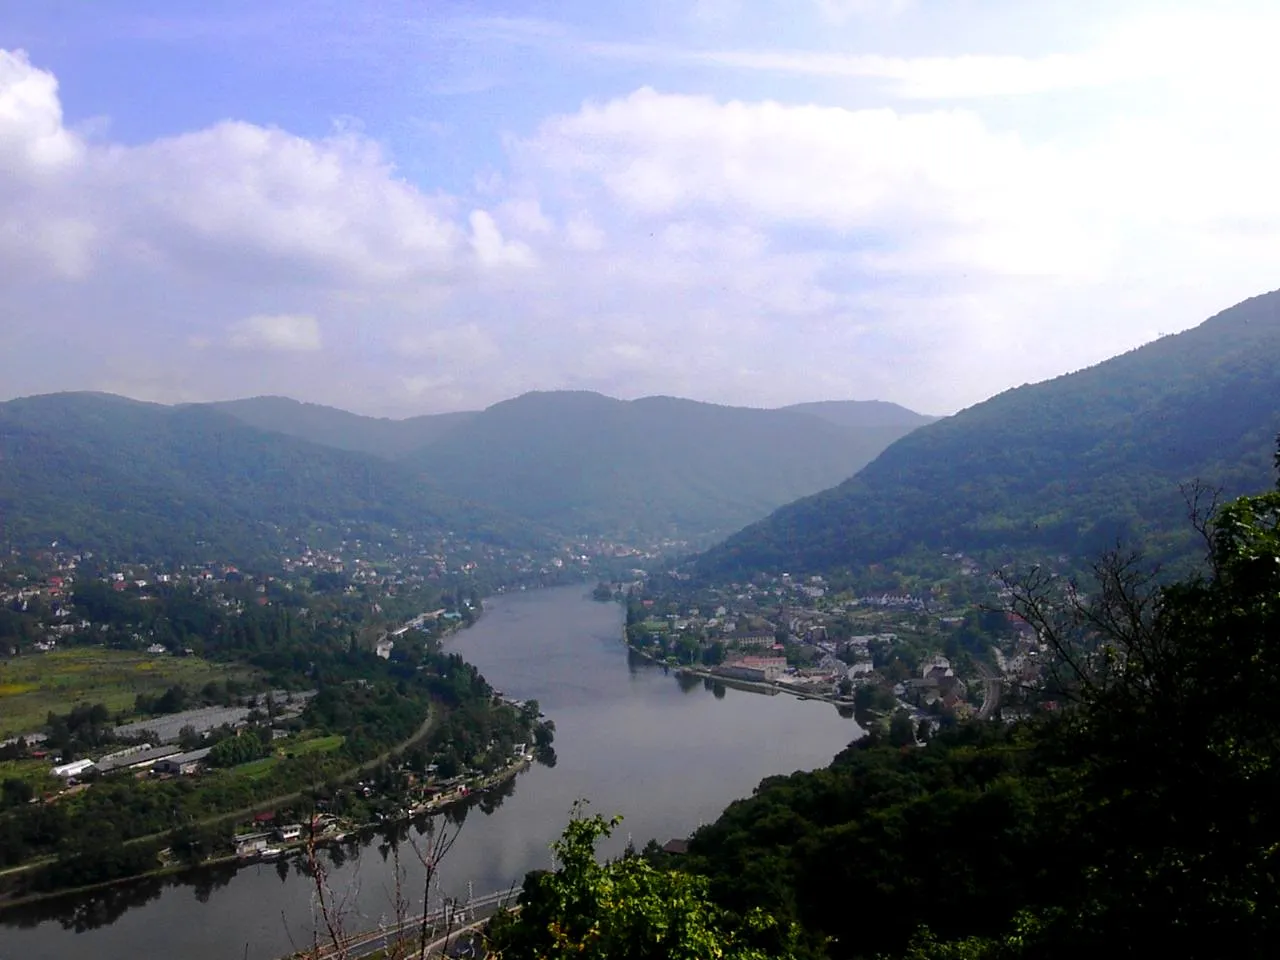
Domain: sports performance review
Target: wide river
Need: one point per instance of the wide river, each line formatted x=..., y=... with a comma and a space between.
x=667, y=753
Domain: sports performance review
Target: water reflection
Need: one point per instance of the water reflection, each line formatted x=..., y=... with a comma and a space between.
x=82, y=913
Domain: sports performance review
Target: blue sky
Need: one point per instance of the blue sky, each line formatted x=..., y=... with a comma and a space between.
x=411, y=207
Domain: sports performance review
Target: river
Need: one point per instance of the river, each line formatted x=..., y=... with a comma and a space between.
x=667, y=753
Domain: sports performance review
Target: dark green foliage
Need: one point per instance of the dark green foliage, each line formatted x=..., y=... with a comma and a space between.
x=890, y=837
x=234, y=750
x=627, y=909
x=141, y=480
x=1065, y=466
x=582, y=462
x=14, y=792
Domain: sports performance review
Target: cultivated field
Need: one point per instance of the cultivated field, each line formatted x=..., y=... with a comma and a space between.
x=33, y=685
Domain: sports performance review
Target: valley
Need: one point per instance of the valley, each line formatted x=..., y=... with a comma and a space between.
x=312, y=676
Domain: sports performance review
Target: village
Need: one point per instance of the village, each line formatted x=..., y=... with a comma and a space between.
x=934, y=656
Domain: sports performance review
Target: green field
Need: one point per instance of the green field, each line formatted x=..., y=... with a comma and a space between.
x=256, y=769
x=33, y=685
x=34, y=772
x=316, y=745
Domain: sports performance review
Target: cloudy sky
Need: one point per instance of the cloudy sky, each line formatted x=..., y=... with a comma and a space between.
x=412, y=207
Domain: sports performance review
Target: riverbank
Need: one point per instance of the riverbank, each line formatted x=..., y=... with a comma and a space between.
x=286, y=848
x=770, y=687
x=766, y=687
x=21, y=883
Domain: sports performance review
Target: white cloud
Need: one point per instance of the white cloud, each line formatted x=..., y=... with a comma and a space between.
x=290, y=333
x=491, y=249
x=465, y=345
x=33, y=140
x=877, y=173
x=582, y=233
x=320, y=211
x=905, y=232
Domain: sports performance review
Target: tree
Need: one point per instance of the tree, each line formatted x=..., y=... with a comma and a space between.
x=189, y=738
x=627, y=909
x=14, y=792
x=1175, y=735
x=902, y=731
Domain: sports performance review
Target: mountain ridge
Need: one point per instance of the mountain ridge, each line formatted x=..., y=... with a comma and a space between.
x=580, y=461
x=110, y=472
x=1072, y=464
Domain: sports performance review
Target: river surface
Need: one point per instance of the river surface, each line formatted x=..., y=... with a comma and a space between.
x=667, y=753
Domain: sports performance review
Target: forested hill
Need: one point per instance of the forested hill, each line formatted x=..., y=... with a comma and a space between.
x=140, y=479
x=380, y=436
x=585, y=463
x=1068, y=465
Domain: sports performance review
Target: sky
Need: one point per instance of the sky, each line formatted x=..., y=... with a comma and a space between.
x=412, y=207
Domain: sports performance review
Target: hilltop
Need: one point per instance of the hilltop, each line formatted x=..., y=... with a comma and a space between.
x=143, y=479
x=581, y=462
x=1070, y=465
x=586, y=464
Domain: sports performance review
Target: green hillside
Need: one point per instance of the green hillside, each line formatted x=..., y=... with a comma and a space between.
x=1068, y=465
x=660, y=466
x=380, y=436
x=142, y=479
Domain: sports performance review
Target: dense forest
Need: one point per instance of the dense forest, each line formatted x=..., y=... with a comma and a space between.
x=1069, y=466
x=1134, y=815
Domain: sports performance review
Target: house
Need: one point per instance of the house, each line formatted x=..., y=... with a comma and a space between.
x=752, y=640
x=289, y=831
x=938, y=666
x=383, y=648
x=677, y=847
x=251, y=844
x=923, y=690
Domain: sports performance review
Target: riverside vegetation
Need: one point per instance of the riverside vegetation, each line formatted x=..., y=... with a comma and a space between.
x=411, y=718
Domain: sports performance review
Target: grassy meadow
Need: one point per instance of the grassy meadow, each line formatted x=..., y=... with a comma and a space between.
x=31, y=686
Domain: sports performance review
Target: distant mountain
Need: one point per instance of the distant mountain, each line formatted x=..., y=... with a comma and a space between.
x=382, y=437
x=141, y=479
x=581, y=462
x=863, y=414
x=1068, y=465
